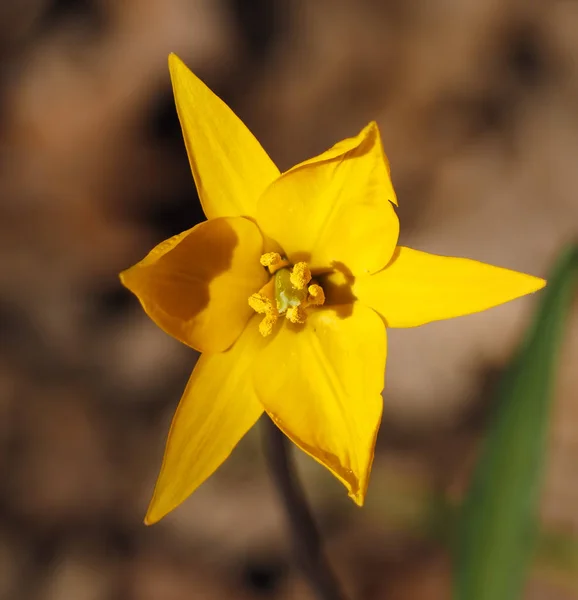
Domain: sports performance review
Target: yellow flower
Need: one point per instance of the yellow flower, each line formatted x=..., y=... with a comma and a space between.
x=287, y=290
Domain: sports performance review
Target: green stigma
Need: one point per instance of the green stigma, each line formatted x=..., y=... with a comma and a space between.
x=286, y=294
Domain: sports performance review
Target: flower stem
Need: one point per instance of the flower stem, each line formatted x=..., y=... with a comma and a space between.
x=306, y=539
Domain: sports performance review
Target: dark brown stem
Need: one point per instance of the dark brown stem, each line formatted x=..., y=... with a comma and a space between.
x=306, y=539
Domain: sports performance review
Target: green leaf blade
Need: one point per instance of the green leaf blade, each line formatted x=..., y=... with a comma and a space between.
x=498, y=522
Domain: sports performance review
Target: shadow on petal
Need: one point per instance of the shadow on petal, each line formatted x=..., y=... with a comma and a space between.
x=195, y=285
x=337, y=286
x=184, y=274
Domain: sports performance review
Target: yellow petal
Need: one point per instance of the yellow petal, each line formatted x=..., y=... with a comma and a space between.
x=417, y=287
x=321, y=384
x=230, y=167
x=349, y=144
x=218, y=407
x=195, y=285
x=335, y=208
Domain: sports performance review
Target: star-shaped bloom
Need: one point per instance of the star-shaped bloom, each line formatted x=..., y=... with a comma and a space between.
x=287, y=290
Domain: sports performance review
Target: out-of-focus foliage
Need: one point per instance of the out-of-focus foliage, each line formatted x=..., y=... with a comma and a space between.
x=498, y=525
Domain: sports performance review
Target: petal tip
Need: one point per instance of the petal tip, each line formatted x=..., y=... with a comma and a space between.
x=372, y=126
x=175, y=61
x=153, y=515
x=356, y=484
x=358, y=499
x=177, y=67
x=372, y=129
x=532, y=285
x=127, y=280
x=370, y=132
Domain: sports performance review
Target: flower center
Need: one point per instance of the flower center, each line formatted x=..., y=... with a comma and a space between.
x=289, y=292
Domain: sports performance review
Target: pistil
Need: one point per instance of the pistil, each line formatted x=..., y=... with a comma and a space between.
x=290, y=292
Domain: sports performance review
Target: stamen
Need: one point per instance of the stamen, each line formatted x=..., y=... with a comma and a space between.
x=273, y=261
x=266, y=325
x=287, y=293
x=316, y=295
x=296, y=314
x=260, y=303
x=263, y=302
x=300, y=276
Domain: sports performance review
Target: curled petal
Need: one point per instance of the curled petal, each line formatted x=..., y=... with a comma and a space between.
x=335, y=209
x=195, y=285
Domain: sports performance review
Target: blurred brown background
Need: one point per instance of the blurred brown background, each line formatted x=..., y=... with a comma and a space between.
x=477, y=101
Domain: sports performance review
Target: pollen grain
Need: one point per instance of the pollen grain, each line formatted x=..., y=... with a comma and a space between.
x=296, y=314
x=300, y=275
x=316, y=295
x=273, y=261
x=260, y=303
x=266, y=325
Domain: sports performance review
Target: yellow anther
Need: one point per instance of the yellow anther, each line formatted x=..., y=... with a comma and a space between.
x=273, y=261
x=266, y=325
x=300, y=276
x=260, y=303
x=296, y=314
x=263, y=302
x=288, y=293
x=270, y=259
x=316, y=295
